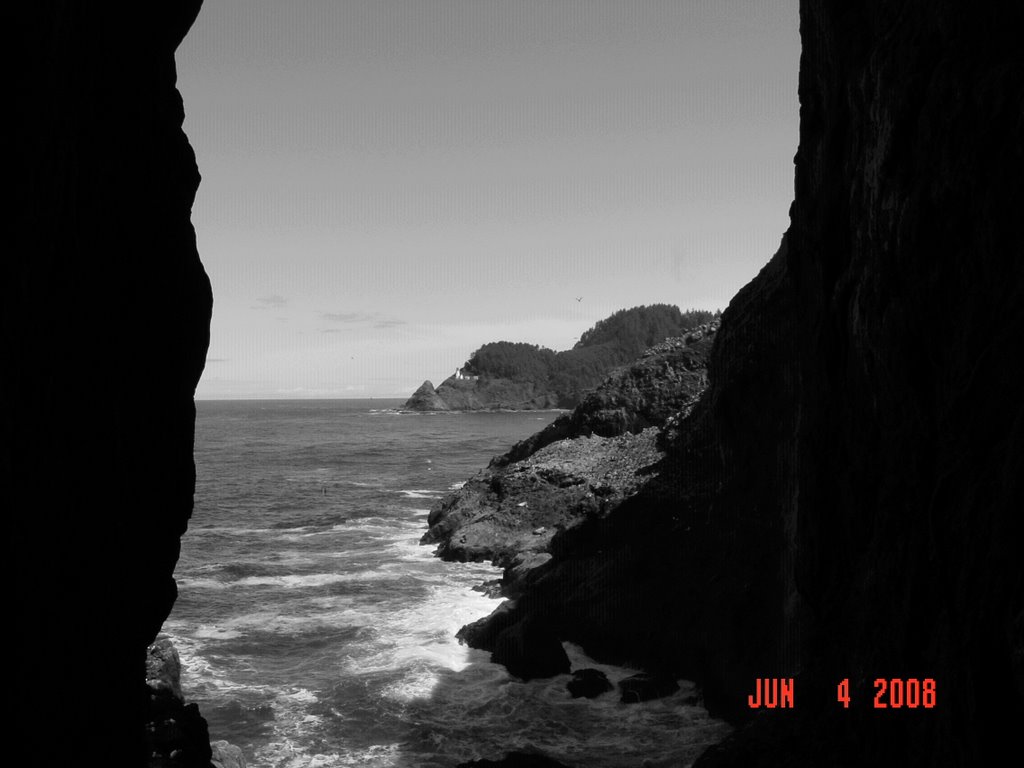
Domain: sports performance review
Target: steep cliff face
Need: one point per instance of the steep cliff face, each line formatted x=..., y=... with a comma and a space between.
x=105, y=322
x=894, y=479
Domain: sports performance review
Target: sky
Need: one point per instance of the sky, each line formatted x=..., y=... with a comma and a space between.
x=389, y=184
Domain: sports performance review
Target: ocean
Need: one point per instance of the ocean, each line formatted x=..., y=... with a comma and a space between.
x=316, y=632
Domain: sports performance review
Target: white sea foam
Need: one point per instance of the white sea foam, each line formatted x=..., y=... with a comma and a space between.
x=186, y=583
x=420, y=494
x=291, y=581
x=238, y=532
x=206, y=632
x=296, y=581
x=199, y=674
x=419, y=640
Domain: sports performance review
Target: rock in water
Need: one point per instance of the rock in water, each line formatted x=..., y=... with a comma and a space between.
x=529, y=649
x=588, y=683
x=226, y=755
x=163, y=667
x=426, y=399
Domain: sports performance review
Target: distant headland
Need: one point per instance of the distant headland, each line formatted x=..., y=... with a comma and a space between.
x=506, y=375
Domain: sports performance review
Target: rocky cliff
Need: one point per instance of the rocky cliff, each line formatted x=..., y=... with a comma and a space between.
x=582, y=465
x=425, y=398
x=488, y=393
x=844, y=501
x=105, y=328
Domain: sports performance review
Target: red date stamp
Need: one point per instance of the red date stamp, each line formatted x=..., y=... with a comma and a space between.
x=890, y=693
x=895, y=693
x=772, y=693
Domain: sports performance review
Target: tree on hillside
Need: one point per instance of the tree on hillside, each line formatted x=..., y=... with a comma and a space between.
x=614, y=341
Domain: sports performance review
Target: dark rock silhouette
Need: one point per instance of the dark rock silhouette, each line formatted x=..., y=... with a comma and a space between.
x=105, y=325
x=177, y=734
x=529, y=649
x=588, y=683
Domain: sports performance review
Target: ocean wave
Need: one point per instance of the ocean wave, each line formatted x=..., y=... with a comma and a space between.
x=288, y=581
x=420, y=493
x=296, y=581
x=234, y=531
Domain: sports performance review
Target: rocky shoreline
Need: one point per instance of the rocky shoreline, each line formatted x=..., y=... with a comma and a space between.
x=578, y=469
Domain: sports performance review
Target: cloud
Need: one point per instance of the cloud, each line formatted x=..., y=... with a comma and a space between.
x=349, y=317
x=270, y=301
x=357, y=318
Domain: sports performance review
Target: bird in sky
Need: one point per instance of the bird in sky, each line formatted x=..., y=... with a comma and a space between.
x=579, y=298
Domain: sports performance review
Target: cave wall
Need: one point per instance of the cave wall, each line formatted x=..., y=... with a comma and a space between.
x=891, y=473
x=106, y=324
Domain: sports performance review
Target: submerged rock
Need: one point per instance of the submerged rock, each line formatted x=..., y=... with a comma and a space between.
x=588, y=683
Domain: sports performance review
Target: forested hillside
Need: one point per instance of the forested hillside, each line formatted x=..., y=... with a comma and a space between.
x=614, y=341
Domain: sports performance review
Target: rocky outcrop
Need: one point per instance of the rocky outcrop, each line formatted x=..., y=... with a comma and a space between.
x=105, y=328
x=426, y=399
x=177, y=735
x=844, y=500
x=581, y=466
x=225, y=755
x=664, y=381
x=529, y=649
x=485, y=393
x=511, y=513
